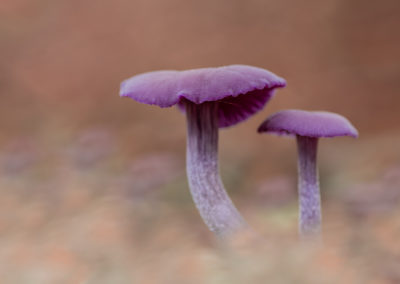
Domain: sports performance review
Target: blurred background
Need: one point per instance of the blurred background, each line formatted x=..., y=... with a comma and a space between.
x=93, y=186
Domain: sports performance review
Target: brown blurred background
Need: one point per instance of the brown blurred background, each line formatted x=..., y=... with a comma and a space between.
x=93, y=186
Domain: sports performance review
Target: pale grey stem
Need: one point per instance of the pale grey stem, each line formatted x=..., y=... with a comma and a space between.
x=209, y=195
x=308, y=186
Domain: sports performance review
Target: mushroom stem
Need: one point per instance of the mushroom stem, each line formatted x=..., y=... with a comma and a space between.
x=308, y=186
x=209, y=195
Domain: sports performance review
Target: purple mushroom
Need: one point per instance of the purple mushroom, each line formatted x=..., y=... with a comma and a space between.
x=211, y=98
x=308, y=127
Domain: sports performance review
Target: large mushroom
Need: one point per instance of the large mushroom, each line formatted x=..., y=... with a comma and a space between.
x=308, y=127
x=212, y=98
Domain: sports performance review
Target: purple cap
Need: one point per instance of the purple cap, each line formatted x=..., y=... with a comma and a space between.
x=241, y=90
x=308, y=123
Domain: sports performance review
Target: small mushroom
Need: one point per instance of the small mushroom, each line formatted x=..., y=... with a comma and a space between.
x=308, y=126
x=211, y=98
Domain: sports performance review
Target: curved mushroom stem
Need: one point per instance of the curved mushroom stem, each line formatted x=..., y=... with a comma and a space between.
x=308, y=186
x=209, y=195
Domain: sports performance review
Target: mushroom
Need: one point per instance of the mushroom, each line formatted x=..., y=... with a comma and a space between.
x=308, y=126
x=212, y=98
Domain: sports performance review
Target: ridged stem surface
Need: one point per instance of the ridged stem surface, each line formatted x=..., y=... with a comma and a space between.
x=308, y=187
x=208, y=192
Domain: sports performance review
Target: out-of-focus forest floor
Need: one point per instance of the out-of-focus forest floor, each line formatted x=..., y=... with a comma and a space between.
x=83, y=211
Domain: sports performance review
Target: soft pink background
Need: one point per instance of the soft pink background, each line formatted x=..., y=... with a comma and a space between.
x=93, y=188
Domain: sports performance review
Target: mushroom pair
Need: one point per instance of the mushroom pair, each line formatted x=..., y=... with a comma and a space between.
x=214, y=98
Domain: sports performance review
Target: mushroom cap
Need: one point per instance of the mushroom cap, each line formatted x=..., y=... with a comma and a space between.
x=308, y=123
x=241, y=90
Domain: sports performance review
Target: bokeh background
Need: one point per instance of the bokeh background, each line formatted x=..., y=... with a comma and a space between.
x=93, y=186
